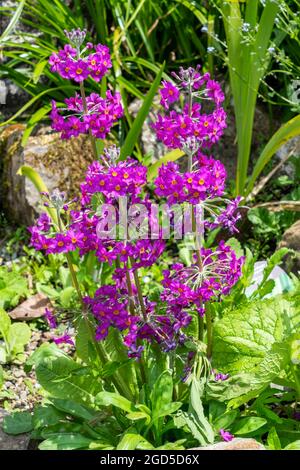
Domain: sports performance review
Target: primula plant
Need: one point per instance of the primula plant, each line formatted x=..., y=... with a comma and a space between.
x=142, y=365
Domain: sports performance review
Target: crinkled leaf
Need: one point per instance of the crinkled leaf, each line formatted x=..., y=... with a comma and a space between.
x=243, y=336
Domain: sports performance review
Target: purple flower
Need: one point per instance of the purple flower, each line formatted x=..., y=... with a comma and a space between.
x=175, y=127
x=296, y=415
x=101, y=114
x=50, y=318
x=226, y=436
x=221, y=377
x=169, y=94
x=64, y=339
x=68, y=65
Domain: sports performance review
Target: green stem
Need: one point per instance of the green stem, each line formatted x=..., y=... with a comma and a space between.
x=140, y=294
x=208, y=331
x=130, y=291
x=200, y=327
x=84, y=104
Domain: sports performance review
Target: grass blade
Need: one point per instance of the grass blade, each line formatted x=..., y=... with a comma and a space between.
x=39, y=184
x=136, y=128
x=289, y=130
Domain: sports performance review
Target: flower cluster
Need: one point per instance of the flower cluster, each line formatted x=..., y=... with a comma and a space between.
x=87, y=229
x=110, y=306
x=84, y=114
x=208, y=181
x=84, y=224
x=73, y=64
x=192, y=121
x=113, y=179
x=98, y=117
x=208, y=279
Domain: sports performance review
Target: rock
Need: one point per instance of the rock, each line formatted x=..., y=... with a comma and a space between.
x=60, y=163
x=235, y=444
x=32, y=308
x=148, y=140
x=290, y=148
x=9, y=442
x=291, y=239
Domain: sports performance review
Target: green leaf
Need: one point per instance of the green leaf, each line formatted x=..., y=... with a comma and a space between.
x=136, y=128
x=273, y=440
x=111, y=367
x=18, y=422
x=216, y=409
x=66, y=441
x=196, y=409
x=13, y=22
x=18, y=336
x=83, y=342
x=134, y=441
x=114, y=399
x=38, y=70
x=177, y=445
x=5, y=323
x=66, y=295
x=161, y=395
x=243, y=336
x=225, y=420
x=293, y=446
x=274, y=261
x=59, y=376
x=72, y=408
x=195, y=9
x=3, y=354
x=260, y=377
x=248, y=425
x=45, y=351
x=13, y=287
x=137, y=415
x=33, y=100
x=286, y=132
x=34, y=119
x=169, y=157
x=46, y=415
x=189, y=422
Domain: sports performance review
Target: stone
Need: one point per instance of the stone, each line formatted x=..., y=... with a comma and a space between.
x=32, y=308
x=235, y=444
x=60, y=163
x=288, y=149
x=148, y=140
x=10, y=442
x=291, y=239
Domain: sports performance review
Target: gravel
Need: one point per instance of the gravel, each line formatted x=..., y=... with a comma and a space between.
x=20, y=390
